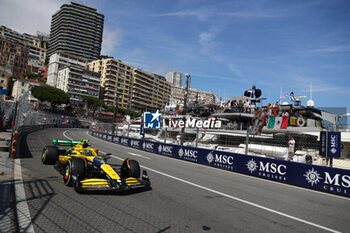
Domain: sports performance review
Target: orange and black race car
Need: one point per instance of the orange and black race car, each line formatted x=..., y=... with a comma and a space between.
x=84, y=169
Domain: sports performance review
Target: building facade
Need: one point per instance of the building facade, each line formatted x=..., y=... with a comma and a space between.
x=178, y=96
x=5, y=74
x=59, y=61
x=37, y=45
x=21, y=86
x=77, y=30
x=131, y=87
x=14, y=55
x=175, y=78
x=78, y=82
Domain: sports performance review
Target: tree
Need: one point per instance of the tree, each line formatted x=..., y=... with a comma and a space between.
x=93, y=103
x=30, y=75
x=122, y=111
x=50, y=94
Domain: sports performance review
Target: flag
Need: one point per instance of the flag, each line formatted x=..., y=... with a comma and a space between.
x=278, y=123
x=293, y=120
x=284, y=124
x=271, y=123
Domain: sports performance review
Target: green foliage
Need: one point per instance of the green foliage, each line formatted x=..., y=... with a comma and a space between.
x=50, y=94
x=122, y=111
x=30, y=75
x=92, y=101
x=41, y=80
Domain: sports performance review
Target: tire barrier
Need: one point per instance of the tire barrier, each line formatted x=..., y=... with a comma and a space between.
x=325, y=179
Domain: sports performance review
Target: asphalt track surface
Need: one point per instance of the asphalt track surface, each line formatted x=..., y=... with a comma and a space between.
x=185, y=197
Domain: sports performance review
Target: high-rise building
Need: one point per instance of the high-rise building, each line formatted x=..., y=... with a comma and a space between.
x=77, y=30
x=175, y=78
x=133, y=88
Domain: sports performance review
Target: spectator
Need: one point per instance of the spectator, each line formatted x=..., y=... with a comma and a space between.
x=240, y=106
x=246, y=106
x=230, y=125
x=291, y=144
x=235, y=125
x=285, y=113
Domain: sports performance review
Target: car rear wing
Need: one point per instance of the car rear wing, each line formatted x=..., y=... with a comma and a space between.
x=61, y=142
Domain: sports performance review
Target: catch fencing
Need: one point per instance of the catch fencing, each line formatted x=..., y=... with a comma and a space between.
x=321, y=178
x=23, y=113
x=23, y=118
x=271, y=145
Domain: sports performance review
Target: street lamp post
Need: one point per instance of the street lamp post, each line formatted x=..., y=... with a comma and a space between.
x=188, y=80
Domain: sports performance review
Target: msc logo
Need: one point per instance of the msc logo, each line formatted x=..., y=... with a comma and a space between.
x=151, y=120
x=219, y=158
x=124, y=141
x=165, y=149
x=135, y=143
x=188, y=153
x=147, y=145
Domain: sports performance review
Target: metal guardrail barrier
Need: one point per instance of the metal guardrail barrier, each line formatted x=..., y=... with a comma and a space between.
x=321, y=178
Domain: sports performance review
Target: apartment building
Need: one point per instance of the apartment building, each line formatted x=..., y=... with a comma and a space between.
x=14, y=56
x=5, y=74
x=76, y=30
x=178, y=96
x=175, y=78
x=59, y=61
x=77, y=82
x=131, y=87
x=37, y=45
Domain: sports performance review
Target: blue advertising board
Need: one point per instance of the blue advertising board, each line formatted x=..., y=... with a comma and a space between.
x=333, y=145
x=330, y=144
x=327, y=179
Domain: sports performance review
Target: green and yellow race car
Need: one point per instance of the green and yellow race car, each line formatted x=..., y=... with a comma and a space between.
x=84, y=169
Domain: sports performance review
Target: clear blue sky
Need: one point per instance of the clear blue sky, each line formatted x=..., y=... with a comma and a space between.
x=226, y=46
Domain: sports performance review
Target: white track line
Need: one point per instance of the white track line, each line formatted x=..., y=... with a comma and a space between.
x=138, y=155
x=64, y=134
x=238, y=174
x=239, y=199
x=23, y=214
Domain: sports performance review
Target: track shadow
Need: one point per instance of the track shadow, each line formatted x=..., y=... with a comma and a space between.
x=38, y=194
x=22, y=148
x=118, y=193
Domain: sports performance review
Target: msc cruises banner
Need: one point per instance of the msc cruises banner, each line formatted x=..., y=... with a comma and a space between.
x=331, y=180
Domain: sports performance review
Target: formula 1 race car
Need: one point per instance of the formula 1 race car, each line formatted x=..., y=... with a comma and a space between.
x=85, y=170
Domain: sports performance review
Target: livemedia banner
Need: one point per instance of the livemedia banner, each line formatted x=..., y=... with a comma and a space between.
x=331, y=180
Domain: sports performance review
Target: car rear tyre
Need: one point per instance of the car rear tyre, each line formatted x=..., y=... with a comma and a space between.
x=50, y=155
x=130, y=168
x=74, y=167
